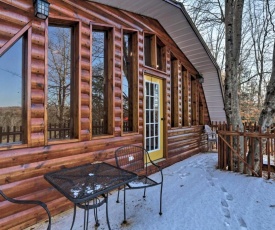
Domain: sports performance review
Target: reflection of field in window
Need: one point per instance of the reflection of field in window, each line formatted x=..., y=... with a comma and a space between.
x=11, y=82
x=59, y=82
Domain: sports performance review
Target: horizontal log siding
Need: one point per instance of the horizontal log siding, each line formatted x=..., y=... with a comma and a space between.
x=22, y=168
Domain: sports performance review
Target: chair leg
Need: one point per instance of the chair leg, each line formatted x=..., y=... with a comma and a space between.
x=160, y=209
x=107, y=216
x=124, y=221
x=144, y=193
x=73, y=216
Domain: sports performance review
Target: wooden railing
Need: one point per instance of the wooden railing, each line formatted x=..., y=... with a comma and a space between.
x=11, y=134
x=59, y=131
x=235, y=145
x=55, y=131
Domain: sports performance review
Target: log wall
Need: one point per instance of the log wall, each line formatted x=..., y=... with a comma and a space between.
x=22, y=166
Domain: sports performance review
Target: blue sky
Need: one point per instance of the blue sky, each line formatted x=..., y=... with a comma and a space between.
x=11, y=76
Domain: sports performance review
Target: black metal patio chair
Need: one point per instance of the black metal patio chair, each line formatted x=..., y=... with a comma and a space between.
x=137, y=159
x=37, y=202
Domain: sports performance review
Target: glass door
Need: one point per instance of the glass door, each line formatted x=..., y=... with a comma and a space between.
x=153, y=117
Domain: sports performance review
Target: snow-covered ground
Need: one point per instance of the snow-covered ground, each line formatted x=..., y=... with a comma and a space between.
x=196, y=196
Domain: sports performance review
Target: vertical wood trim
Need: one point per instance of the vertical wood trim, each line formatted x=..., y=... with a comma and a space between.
x=27, y=86
x=77, y=94
x=165, y=122
x=91, y=81
x=194, y=90
x=111, y=81
x=180, y=82
x=154, y=51
x=184, y=103
x=121, y=80
x=46, y=82
x=135, y=82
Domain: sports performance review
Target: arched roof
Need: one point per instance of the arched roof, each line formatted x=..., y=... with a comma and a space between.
x=175, y=20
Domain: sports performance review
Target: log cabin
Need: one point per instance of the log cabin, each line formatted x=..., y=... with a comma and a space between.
x=89, y=77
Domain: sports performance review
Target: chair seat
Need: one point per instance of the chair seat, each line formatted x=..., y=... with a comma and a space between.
x=142, y=182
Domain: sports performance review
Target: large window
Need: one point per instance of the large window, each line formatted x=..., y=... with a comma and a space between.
x=60, y=80
x=102, y=96
x=154, y=52
x=12, y=94
x=129, y=92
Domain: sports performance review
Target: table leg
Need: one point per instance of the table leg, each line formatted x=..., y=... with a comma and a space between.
x=73, y=216
x=95, y=213
x=86, y=215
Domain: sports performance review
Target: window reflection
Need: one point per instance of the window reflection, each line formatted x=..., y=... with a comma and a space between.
x=59, y=83
x=127, y=82
x=11, y=94
x=99, y=83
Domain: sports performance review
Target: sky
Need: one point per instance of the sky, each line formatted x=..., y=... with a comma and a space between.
x=11, y=76
x=196, y=196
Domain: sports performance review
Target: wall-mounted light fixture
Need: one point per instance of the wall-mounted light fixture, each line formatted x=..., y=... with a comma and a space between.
x=41, y=8
x=200, y=78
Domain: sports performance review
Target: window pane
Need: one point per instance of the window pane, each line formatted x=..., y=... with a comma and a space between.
x=59, y=108
x=147, y=50
x=11, y=82
x=152, y=117
x=127, y=83
x=99, y=83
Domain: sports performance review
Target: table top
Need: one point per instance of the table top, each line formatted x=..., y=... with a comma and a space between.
x=85, y=182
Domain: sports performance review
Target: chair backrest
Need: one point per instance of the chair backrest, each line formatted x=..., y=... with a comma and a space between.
x=36, y=202
x=207, y=129
x=132, y=158
x=212, y=136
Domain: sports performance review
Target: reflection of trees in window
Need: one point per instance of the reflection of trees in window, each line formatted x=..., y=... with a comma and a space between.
x=127, y=82
x=11, y=94
x=59, y=81
x=99, y=83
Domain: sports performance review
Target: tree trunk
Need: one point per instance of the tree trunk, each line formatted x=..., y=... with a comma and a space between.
x=266, y=116
x=233, y=28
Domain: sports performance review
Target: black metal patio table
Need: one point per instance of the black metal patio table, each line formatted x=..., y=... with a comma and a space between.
x=89, y=183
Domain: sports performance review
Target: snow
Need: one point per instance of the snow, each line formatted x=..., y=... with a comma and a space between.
x=196, y=196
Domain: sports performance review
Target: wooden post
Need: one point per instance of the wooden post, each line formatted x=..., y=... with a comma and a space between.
x=261, y=151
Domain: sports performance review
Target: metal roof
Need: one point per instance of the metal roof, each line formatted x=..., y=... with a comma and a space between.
x=176, y=21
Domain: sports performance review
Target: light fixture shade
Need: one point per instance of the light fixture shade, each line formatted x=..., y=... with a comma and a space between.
x=41, y=8
x=200, y=78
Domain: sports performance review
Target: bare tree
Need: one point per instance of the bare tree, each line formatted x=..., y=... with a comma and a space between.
x=59, y=77
x=267, y=114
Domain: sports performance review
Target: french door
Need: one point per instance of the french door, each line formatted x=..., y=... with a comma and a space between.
x=153, y=130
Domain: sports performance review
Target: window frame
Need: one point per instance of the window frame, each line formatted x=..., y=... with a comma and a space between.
x=110, y=72
x=74, y=80
x=25, y=35
x=134, y=89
